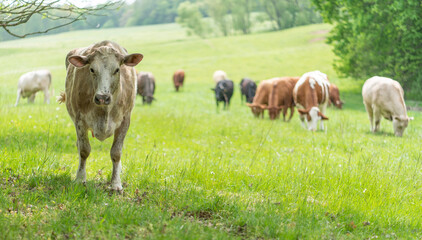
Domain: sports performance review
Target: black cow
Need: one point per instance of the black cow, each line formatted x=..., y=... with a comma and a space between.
x=247, y=89
x=146, y=87
x=224, y=92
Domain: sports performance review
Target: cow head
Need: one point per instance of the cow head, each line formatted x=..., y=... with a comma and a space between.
x=104, y=66
x=274, y=111
x=257, y=109
x=400, y=124
x=313, y=115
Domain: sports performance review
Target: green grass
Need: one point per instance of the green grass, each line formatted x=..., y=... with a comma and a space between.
x=192, y=173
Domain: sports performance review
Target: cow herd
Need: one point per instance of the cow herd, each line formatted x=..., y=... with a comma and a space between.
x=100, y=92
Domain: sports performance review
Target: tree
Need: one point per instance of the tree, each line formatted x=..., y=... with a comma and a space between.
x=241, y=15
x=15, y=13
x=378, y=37
x=290, y=13
x=191, y=18
x=218, y=10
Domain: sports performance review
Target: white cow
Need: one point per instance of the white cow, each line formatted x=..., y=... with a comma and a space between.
x=384, y=97
x=32, y=82
x=219, y=75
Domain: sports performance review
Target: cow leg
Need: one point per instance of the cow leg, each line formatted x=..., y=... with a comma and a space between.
x=116, y=153
x=377, y=116
x=285, y=113
x=303, y=119
x=323, y=111
x=292, y=108
x=370, y=112
x=31, y=98
x=84, y=149
x=46, y=96
x=19, y=96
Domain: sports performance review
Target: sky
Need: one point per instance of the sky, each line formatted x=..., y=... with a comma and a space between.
x=92, y=2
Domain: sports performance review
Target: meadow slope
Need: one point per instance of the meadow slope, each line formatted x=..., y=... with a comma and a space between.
x=191, y=172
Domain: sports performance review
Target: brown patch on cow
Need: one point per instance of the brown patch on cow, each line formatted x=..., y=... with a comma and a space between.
x=281, y=97
x=335, y=96
x=260, y=101
x=309, y=97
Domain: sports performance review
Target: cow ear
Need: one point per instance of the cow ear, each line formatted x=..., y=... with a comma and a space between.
x=302, y=111
x=78, y=61
x=133, y=59
x=323, y=117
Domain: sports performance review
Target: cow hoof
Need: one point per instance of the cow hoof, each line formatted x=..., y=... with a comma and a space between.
x=116, y=188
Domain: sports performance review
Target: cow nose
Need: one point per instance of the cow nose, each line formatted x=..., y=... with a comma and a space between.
x=102, y=99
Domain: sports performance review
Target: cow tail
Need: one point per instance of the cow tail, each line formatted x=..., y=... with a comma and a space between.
x=61, y=98
x=49, y=85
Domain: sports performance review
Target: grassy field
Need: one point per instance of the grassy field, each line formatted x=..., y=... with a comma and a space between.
x=192, y=173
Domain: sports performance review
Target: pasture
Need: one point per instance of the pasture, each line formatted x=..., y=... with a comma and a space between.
x=190, y=172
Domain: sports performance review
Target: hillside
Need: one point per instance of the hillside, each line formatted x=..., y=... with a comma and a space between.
x=191, y=172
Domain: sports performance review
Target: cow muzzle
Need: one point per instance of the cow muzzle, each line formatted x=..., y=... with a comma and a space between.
x=102, y=99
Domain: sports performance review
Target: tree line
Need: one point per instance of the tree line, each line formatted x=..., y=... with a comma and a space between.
x=226, y=17
x=377, y=37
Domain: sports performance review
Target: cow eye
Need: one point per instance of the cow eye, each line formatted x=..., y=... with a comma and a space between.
x=92, y=70
x=117, y=70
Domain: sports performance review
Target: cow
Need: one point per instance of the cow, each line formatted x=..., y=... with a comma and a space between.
x=281, y=97
x=178, y=79
x=223, y=92
x=32, y=82
x=100, y=94
x=384, y=97
x=219, y=75
x=311, y=96
x=335, y=96
x=247, y=89
x=260, y=100
x=146, y=86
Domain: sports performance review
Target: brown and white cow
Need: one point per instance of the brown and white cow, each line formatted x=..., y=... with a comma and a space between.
x=178, y=79
x=219, y=75
x=335, y=96
x=100, y=95
x=32, y=82
x=311, y=96
x=384, y=97
x=281, y=97
x=260, y=100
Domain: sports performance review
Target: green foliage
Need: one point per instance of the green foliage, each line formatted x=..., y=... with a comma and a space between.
x=192, y=173
x=377, y=38
x=241, y=15
x=290, y=13
x=191, y=18
x=218, y=10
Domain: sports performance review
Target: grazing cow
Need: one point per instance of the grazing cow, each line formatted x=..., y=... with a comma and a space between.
x=281, y=97
x=146, y=87
x=100, y=95
x=384, y=97
x=32, y=82
x=223, y=92
x=335, y=96
x=178, y=79
x=311, y=96
x=260, y=100
x=219, y=75
x=247, y=89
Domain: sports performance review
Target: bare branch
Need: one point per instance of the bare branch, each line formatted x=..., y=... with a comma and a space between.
x=18, y=12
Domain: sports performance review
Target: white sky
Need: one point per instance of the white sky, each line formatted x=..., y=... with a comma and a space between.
x=92, y=2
